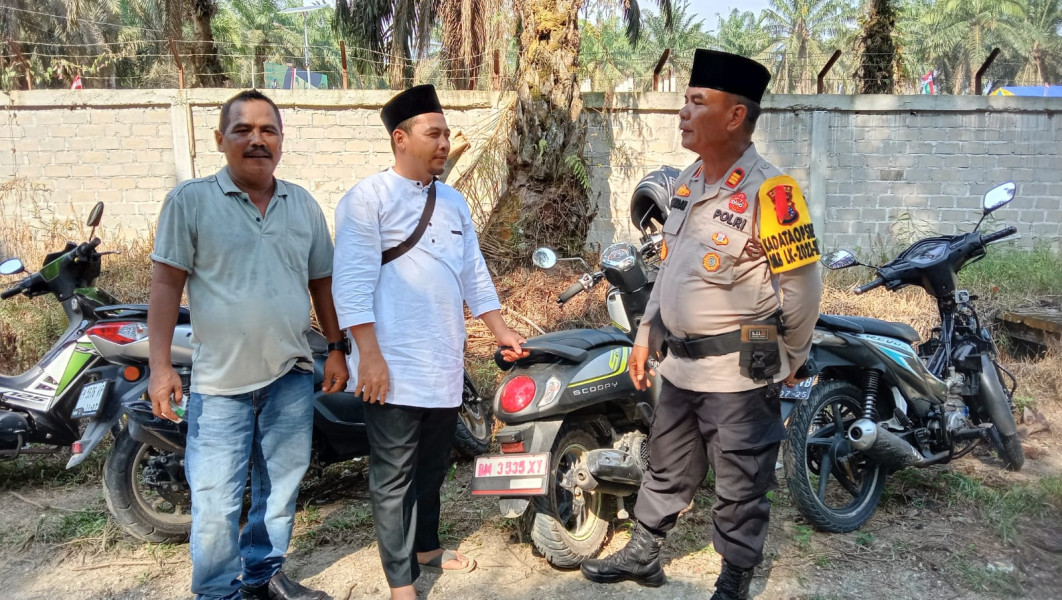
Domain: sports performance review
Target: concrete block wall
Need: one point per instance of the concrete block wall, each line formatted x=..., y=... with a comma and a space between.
x=875, y=169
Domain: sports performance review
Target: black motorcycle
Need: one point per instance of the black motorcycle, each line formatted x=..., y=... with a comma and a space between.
x=576, y=430
x=877, y=405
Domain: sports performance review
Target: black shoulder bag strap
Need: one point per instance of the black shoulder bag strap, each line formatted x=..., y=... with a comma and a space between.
x=429, y=207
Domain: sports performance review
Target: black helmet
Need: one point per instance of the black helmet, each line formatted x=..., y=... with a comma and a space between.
x=651, y=198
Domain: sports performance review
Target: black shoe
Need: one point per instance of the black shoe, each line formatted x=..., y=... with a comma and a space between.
x=733, y=583
x=638, y=561
x=279, y=587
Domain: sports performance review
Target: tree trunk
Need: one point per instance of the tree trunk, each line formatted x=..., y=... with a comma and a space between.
x=879, y=50
x=546, y=201
x=205, y=59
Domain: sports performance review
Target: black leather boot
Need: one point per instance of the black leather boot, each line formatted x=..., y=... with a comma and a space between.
x=279, y=587
x=733, y=583
x=638, y=561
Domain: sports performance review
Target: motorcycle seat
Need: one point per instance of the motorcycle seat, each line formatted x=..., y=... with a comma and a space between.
x=851, y=324
x=134, y=311
x=570, y=344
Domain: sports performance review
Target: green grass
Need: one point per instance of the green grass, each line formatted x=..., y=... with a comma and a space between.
x=1015, y=273
x=1001, y=509
x=50, y=469
x=984, y=577
x=67, y=527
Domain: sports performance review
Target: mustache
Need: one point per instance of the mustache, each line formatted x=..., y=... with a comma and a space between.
x=258, y=153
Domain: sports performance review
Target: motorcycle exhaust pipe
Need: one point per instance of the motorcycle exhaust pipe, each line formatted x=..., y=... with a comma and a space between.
x=883, y=445
x=609, y=471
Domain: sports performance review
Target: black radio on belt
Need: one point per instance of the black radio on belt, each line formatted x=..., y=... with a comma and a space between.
x=759, y=357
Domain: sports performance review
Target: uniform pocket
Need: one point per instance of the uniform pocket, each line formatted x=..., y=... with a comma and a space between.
x=747, y=455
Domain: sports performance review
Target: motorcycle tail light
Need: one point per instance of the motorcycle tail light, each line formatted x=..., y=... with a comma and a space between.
x=119, y=332
x=517, y=394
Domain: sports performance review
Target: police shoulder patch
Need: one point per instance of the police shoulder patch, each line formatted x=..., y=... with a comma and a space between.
x=785, y=226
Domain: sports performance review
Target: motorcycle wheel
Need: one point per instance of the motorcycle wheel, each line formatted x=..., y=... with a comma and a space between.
x=834, y=487
x=136, y=506
x=475, y=424
x=1009, y=449
x=1008, y=446
x=570, y=523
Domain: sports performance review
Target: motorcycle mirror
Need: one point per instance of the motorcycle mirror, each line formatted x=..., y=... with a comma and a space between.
x=998, y=196
x=95, y=215
x=544, y=258
x=839, y=259
x=11, y=266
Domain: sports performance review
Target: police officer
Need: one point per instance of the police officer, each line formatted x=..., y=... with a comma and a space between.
x=732, y=311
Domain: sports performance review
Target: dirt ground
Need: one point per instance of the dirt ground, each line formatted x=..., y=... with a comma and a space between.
x=927, y=541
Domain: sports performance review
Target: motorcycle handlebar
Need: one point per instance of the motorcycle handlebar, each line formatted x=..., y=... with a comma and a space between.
x=878, y=281
x=570, y=293
x=998, y=235
x=12, y=291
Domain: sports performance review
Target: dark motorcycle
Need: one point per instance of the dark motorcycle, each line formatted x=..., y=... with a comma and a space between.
x=576, y=430
x=877, y=405
x=144, y=479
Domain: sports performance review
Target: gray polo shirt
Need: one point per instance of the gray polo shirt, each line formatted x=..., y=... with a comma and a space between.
x=247, y=277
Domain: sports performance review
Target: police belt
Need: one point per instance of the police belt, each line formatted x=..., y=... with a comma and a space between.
x=709, y=345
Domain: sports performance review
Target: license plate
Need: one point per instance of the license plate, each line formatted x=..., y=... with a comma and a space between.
x=800, y=391
x=511, y=475
x=89, y=401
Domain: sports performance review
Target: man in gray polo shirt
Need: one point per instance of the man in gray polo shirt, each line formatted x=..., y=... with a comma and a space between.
x=249, y=246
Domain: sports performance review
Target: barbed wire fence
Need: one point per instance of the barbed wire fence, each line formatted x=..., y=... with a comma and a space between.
x=162, y=63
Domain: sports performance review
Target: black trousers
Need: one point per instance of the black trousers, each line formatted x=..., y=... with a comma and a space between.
x=737, y=435
x=410, y=456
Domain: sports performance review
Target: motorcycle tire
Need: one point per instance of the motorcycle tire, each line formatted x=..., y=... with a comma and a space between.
x=570, y=523
x=475, y=423
x=812, y=495
x=1009, y=449
x=128, y=498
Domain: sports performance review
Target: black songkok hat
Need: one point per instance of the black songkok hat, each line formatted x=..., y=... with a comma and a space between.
x=417, y=100
x=729, y=73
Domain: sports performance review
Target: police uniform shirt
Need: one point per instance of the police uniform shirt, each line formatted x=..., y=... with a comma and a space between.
x=415, y=301
x=708, y=283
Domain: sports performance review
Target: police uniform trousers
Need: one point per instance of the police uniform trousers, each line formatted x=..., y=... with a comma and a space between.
x=736, y=434
x=410, y=456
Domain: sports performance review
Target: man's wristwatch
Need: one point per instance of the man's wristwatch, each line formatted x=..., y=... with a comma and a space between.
x=343, y=345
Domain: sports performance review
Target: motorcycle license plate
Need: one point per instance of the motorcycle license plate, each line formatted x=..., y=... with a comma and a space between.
x=511, y=475
x=800, y=391
x=88, y=402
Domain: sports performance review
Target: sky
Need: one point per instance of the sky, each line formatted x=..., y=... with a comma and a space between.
x=707, y=9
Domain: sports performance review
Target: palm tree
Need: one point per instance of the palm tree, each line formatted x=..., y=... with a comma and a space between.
x=799, y=28
x=547, y=198
x=741, y=33
x=682, y=36
x=879, y=50
x=1036, y=38
x=963, y=31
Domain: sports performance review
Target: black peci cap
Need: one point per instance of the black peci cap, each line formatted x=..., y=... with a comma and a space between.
x=417, y=100
x=729, y=73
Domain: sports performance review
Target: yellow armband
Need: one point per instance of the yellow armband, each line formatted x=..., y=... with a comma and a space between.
x=786, y=231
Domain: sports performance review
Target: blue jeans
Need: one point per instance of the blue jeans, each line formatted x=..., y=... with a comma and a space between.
x=269, y=429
